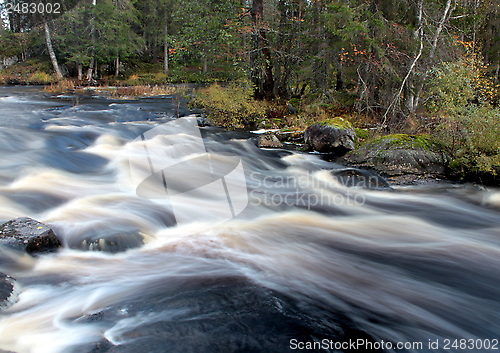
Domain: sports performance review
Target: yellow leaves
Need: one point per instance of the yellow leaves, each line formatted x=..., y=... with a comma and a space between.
x=456, y=85
x=465, y=44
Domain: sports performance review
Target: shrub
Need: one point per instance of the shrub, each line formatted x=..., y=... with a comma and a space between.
x=459, y=84
x=232, y=105
x=473, y=139
x=463, y=95
x=40, y=78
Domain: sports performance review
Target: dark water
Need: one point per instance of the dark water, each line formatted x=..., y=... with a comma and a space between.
x=307, y=260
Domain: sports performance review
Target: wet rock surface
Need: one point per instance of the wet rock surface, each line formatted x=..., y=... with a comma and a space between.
x=396, y=155
x=326, y=138
x=112, y=242
x=294, y=137
x=6, y=290
x=268, y=141
x=204, y=121
x=365, y=179
x=249, y=319
x=416, y=180
x=29, y=235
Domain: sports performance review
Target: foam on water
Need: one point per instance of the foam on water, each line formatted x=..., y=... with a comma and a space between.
x=402, y=265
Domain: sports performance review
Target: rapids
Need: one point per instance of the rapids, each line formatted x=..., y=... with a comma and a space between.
x=307, y=259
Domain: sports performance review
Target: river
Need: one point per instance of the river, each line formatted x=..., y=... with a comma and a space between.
x=300, y=261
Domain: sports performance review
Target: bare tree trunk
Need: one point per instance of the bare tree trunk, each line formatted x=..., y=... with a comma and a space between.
x=80, y=71
x=448, y=10
x=418, y=35
x=52, y=54
x=446, y=15
x=410, y=71
x=117, y=66
x=165, y=49
x=420, y=15
x=90, y=71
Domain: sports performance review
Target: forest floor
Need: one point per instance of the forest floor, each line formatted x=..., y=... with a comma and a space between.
x=38, y=72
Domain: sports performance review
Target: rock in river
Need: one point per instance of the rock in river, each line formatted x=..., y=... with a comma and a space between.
x=268, y=141
x=331, y=136
x=400, y=154
x=359, y=178
x=111, y=241
x=7, y=290
x=29, y=235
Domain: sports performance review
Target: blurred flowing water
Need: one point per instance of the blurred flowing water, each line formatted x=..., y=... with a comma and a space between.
x=308, y=259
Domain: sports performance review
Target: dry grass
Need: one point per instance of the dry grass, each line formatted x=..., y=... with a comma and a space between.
x=114, y=92
x=138, y=91
x=60, y=87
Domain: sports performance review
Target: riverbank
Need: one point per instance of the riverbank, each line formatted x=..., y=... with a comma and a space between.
x=439, y=147
x=471, y=146
x=39, y=72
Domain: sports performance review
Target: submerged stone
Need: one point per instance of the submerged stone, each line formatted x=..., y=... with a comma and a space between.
x=111, y=241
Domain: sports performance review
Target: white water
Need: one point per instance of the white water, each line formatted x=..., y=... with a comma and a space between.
x=411, y=265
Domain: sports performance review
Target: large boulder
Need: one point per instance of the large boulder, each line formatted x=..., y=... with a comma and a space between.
x=330, y=136
x=29, y=235
x=400, y=154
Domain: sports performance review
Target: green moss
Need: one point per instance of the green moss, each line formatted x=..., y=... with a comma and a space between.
x=338, y=122
x=455, y=164
x=295, y=102
x=362, y=134
x=422, y=141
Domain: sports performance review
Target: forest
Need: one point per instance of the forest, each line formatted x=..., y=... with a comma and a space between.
x=413, y=66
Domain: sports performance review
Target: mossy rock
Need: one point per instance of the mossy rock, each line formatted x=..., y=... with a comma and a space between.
x=400, y=154
x=418, y=141
x=337, y=122
x=334, y=135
